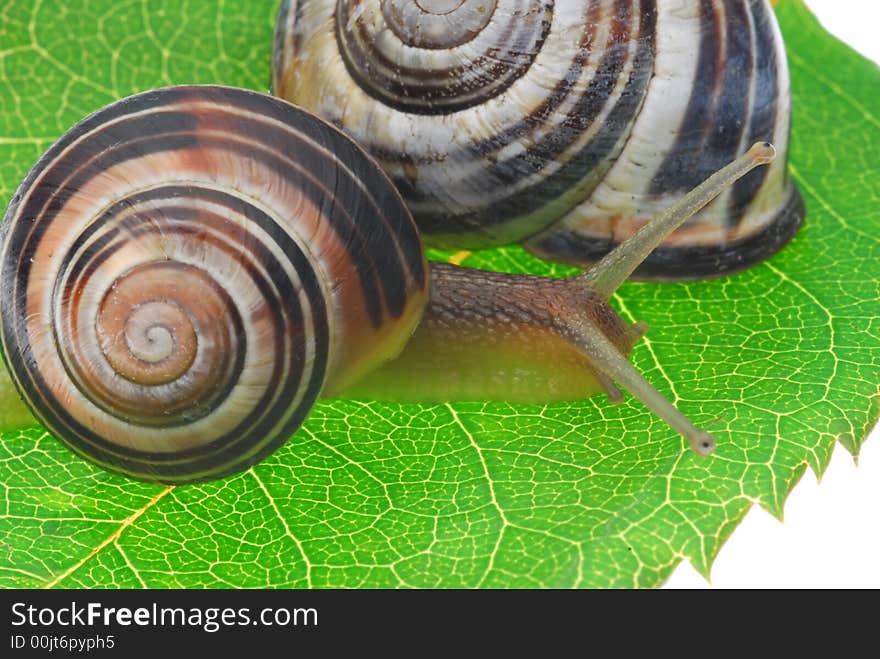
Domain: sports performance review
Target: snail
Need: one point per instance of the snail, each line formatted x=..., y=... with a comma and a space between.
x=185, y=271
x=561, y=124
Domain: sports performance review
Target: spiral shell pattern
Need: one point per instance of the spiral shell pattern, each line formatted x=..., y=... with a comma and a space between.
x=719, y=83
x=573, y=121
x=404, y=53
x=185, y=271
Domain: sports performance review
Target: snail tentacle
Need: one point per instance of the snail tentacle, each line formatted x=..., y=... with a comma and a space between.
x=612, y=391
x=615, y=268
x=605, y=357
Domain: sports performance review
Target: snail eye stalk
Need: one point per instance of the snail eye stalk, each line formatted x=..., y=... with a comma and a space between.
x=616, y=267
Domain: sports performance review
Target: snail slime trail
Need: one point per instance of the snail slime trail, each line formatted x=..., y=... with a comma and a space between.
x=565, y=125
x=185, y=271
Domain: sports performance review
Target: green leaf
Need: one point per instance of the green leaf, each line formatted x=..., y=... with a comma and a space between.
x=779, y=362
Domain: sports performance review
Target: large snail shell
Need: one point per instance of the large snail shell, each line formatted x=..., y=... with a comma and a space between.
x=497, y=119
x=185, y=271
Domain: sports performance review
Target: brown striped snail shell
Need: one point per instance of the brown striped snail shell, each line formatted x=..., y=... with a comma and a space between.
x=187, y=270
x=565, y=124
x=164, y=316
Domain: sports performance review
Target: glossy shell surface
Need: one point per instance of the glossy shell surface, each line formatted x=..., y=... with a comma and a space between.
x=566, y=124
x=185, y=271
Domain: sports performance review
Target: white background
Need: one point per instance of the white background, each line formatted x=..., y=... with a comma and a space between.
x=831, y=534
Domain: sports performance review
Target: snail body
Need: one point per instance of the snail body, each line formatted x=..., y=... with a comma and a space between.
x=187, y=270
x=490, y=336
x=563, y=124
